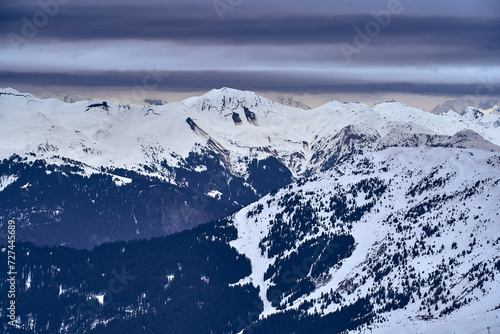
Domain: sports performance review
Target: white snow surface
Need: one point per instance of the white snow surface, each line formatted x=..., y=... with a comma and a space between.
x=7, y=180
x=132, y=136
x=467, y=209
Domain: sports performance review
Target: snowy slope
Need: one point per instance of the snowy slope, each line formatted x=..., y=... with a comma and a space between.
x=425, y=224
x=205, y=156
x=239, y=125
x=394, y=210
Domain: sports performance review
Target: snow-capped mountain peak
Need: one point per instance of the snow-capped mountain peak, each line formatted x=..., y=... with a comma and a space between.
x=344, y=211
x=237, y=124
x=225, y=99
x=228, y=142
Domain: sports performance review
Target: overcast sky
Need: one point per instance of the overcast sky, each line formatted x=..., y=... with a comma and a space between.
x=446, y=48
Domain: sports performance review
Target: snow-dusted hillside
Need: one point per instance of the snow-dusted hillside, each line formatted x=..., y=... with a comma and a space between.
x=237, y=125
x=379, y=219
x=408, y=233
x=170, y=167
x=404, y=240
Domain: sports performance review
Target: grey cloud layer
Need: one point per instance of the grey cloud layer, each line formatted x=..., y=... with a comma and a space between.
x=192, y=25
x=181, y=81
x=278, y=35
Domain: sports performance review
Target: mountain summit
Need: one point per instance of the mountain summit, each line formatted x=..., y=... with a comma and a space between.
x=341, y=219
x=228, y=99
x=217, y=153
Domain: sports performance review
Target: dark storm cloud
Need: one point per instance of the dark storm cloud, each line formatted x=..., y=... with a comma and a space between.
x=185, y=81
x=453, y=39
x=200, y=24
x=201, y=51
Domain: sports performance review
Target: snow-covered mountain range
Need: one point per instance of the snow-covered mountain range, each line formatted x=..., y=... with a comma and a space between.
x=238, y=125
x=486, y=105
x=345, y=217
x=213, y=154
x=404, y=240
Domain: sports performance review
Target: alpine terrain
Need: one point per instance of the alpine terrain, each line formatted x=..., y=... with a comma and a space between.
x=230, y=213
x=88, y=172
